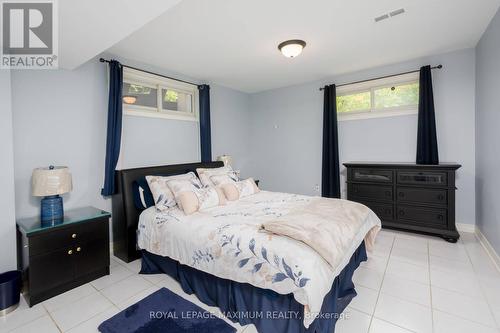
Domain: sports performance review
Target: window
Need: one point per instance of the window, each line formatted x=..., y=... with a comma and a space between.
x=379, y=98
x=150, y=95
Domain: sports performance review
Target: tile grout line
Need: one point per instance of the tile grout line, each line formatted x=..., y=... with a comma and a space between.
x=381, y=284
x=52, y=318
x=483, y=292
x=430, y=284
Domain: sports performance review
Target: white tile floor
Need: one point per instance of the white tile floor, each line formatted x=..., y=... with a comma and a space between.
x=411, y=283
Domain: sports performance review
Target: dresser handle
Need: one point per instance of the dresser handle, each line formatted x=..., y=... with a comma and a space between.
x=401, y=194
x=440, y=217
x=440, y=197
x=78, y=249
x=70, y=252
x=73, y=236
x=401, y=212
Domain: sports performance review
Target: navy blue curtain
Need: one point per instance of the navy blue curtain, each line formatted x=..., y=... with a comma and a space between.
x=114, y=131
x=205, y=134
x=427, y=147
x=330, y=176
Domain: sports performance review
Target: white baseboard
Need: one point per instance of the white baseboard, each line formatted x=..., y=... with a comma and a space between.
x=488, y=248
x=464, y=227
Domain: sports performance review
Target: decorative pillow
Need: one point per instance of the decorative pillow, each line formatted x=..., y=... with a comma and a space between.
x=163, y=196
x=206, y=173
x=221, y=180
x=236, y=190
x=193, y=197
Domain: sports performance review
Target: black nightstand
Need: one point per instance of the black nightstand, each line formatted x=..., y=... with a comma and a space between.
x=56, y=258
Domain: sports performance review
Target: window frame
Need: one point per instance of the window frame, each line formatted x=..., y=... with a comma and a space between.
x=371, y=86
x=133, y=76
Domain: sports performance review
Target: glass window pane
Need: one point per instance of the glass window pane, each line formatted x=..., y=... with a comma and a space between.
x=354, y=102
x=136, y=94
x=176, y=101
x=401, y=95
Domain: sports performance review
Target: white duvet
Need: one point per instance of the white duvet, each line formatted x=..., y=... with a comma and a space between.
x=229, y=242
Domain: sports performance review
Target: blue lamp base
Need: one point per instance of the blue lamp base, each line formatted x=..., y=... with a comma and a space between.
x=52, y=211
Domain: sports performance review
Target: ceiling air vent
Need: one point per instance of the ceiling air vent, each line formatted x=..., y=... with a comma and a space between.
x=390, y=15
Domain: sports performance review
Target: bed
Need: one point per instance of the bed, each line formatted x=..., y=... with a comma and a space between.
x=225, y=257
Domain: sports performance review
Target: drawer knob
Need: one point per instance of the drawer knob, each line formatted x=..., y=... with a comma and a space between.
x=401, y=194
x=73, y=236
x=78, y=249
x=70, y=252
x=401, y=212
x=440, y=217
x=440, y=197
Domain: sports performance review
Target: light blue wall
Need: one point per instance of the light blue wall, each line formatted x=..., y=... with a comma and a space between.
x=60, y=118
x=286, y=130
x=7, y=205
x=488, y=133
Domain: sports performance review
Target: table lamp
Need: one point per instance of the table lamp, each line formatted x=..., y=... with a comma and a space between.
x=226, y=159
x=50, y=183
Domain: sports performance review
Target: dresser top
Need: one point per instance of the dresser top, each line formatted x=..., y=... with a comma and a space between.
x=447, y=165
x=33, y=225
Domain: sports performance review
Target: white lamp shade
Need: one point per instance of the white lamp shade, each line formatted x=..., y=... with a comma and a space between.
x=51, y=181
x=226, y=159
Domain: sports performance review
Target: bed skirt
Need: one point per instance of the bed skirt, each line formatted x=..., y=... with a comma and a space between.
x=266, y=309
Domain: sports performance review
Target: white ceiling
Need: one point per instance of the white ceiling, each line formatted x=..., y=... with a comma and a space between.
x=89, y=27
x=234, y=42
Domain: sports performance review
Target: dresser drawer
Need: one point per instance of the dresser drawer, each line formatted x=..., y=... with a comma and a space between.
x=373, y=192
x=436, y=178
x=385, y=212
x=422, y=195
x=372, y=175
x=422, y=215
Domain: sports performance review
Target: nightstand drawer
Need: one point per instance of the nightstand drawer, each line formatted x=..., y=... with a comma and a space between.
x=67, y=237
x=52, y=241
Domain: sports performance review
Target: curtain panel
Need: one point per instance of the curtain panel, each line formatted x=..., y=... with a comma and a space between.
x=427, y=147
x=114, y=129
x=330, y=175
x=205, y=132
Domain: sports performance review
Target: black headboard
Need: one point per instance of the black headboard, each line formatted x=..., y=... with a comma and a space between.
x=126, y=216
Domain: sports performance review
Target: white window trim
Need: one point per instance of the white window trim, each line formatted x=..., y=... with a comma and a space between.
x=372, y=86
x=157, y=82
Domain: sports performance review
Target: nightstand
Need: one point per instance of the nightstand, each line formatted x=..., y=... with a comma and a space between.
x=59, y=257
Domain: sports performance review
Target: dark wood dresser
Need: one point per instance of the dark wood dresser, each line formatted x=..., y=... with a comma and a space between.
x=58, y=257
x=410, y=197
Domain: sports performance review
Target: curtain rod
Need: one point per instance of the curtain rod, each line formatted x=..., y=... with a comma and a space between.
x=144, y=71
x=383, y=77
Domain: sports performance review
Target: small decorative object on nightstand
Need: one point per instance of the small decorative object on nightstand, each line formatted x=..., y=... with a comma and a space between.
x=49, y=183
x=57, y=258
x=226, y=159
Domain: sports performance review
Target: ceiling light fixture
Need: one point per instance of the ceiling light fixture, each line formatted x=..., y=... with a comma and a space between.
x=127, y=99
x=292, y=48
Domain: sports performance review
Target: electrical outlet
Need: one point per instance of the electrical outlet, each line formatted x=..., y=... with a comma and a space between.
x=316, y=188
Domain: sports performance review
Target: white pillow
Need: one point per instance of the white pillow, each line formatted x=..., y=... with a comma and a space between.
x=193, y=198
x=219, y=180
x=206, y=173
x=237, y=190
x=163, y=196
